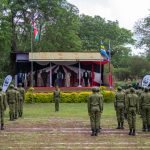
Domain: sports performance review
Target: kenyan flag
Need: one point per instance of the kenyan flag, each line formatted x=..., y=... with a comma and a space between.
x=36, y=34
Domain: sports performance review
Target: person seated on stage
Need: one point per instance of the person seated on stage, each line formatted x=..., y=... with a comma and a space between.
x=68, y=75
x=86, y=77
x=59, y=78
x=44, y=77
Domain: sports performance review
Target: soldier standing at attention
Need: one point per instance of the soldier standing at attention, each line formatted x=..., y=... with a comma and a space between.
x=132, y=108
x=16, y=102
x=56, y=96
x=21, y=99
x=102, y=100
x=145, y=109
x=119, y=105
x=4, y=98
x=95, y=108
x=2, y=108
x=11, y=97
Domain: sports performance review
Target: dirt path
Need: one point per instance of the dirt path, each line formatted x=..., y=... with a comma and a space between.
x=61, y=133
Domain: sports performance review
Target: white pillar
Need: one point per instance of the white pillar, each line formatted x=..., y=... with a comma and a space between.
x=50, y=75
x=100, y=74
x=79, y=75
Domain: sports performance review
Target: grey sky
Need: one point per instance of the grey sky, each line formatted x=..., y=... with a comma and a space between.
x=127, y=12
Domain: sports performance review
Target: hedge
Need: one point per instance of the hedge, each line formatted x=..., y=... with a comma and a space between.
x=66, y=97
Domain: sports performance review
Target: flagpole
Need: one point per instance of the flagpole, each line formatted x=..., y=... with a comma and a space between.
x=110, y=70
x=32, y=59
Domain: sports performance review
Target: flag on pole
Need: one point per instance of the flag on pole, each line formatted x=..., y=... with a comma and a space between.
x=103, y=51
x=35, y=30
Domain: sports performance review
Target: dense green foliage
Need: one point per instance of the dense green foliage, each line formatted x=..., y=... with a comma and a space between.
x=142, y=31
x=61, y=28
x=72, y=97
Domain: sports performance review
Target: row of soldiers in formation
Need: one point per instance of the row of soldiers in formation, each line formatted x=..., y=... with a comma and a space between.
x=14, y=98
x=129, y=102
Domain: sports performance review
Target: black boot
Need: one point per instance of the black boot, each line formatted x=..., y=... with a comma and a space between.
x=130, y=132
x=118, y=126
x=148, y=128
x=96, y=132
x=122, y=127
x=93, y=132
x=144, y=128
x=133, y=133
x=2, y=126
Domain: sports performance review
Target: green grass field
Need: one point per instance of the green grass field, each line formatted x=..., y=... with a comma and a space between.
x=43, y=128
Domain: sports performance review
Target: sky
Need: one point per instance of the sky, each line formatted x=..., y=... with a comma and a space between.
x=127, y=12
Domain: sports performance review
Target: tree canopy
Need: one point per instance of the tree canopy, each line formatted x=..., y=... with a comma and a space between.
x=142, y=32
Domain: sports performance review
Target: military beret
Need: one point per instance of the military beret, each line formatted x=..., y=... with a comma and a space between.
x=146, y=89
x=15, y=88
x=11, y=86
x=119, y=88
x=132, y=89
x=129, y=85
x=20, y=84
x=94, y=89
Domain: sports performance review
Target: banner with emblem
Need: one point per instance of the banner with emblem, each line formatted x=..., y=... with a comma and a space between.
x=6, y=83
x=146, y=81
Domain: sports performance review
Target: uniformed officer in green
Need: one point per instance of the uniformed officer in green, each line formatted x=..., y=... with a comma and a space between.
x=16, y=102
x=98, y=92
x=56, y=96
x=145, y=109
x=132, y=108
x=95, y=108
x=4, y=98
x=127, y=91
x=2, y=108
x=119, y=105
x=21, y=99
x=11, y=98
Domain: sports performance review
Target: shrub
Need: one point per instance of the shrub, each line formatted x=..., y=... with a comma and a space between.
x=66, y=97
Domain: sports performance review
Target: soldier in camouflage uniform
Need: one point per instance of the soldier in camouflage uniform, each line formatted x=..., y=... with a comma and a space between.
x=2, y=108
x=95, y=108
x=132, y=108
x=4, y=98
x=56, y=96
x=21, y=99
x=11, y=97
x=145, y=109
x=119, y=105
x=98, y=92
x=127, y=91
x=16, y=102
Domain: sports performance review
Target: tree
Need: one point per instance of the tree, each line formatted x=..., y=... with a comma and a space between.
x=57, y=22
x=94, y=29
x=142, y=32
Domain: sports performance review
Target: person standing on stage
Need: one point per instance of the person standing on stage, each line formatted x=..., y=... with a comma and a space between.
x=86, y=77
x=68, y=75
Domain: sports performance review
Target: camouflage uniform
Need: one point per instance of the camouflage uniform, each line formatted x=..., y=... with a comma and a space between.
x=95, y=108
x=16, y=103
x=56, y=96
x=21, y=99
x=119, y=105
x=145, y=109
x=132, y=109
x=2, y=108
x=127, y=91
x=11, y=97
x=98, y=92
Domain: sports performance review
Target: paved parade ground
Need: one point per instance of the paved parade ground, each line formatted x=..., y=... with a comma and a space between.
x=42, y=128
